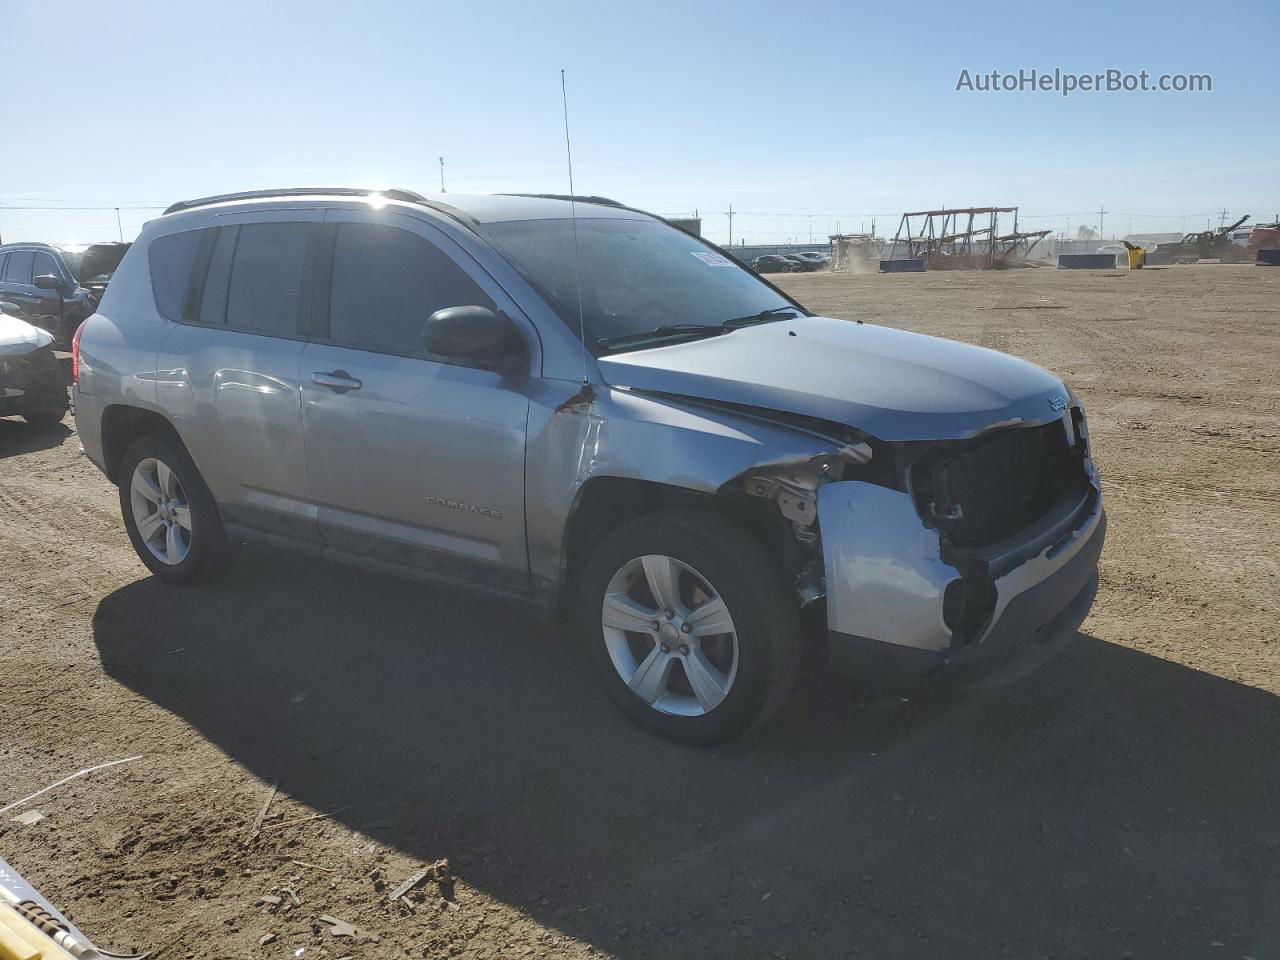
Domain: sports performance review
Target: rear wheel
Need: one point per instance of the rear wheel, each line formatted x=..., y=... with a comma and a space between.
x=688, y=627
x=169, y=513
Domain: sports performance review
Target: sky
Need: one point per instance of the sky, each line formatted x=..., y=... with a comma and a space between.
x=803, y=117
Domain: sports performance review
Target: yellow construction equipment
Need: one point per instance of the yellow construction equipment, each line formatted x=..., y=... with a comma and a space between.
x=1137, y=255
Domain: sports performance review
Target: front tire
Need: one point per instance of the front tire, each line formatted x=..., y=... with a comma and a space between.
x=688, y=627
x=170, y=515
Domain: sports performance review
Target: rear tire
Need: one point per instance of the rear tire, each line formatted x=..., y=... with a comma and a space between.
x=736, y=663
x=170, y=515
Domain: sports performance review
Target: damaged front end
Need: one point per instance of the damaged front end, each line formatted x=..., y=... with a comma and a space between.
x=928, y=553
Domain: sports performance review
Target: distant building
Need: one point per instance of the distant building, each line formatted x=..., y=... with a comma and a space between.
x=691, y=224
x=1149, y=240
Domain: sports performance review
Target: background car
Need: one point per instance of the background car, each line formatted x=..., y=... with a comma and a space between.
x=93, y=264
x=773, y=263
x=802, y=264
x=31, y=382
x=56, y=288
x=821, y=259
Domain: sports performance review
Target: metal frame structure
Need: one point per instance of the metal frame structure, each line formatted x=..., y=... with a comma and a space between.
x=953, y=238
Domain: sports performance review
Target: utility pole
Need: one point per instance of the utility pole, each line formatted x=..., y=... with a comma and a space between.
x=1223, y=221
x=119, y=226
x=442, y=174
x=811, y=228
x=730, y=215
x=1101, y=214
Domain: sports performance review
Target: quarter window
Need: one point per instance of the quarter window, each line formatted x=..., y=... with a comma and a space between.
x=172, y=258
x=386, y=282
x=18, y=269
x=265, y=289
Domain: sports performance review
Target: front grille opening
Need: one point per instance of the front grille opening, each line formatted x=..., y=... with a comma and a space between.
x=996, y=485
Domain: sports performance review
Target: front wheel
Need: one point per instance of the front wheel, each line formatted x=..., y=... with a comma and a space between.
x=169, y=513
x=688, y=626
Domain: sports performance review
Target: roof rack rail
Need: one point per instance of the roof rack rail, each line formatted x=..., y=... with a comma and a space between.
x=394, y=194
x=602, y=201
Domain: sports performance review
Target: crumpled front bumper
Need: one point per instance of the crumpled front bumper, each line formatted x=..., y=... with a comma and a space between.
x=887, y=578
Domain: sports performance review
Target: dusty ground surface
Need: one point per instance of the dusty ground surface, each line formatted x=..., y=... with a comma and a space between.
x=1122, y=802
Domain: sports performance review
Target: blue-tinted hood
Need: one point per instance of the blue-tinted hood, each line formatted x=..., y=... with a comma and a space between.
x=889, y=383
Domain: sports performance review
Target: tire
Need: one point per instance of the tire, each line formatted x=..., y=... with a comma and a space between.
x=45, y=417
x=201, y=550
x=753, y=665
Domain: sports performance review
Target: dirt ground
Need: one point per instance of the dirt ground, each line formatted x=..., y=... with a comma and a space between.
x=1124, y=801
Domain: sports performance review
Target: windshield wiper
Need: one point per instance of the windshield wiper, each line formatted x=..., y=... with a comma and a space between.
x=764, y=316
x=665, y=332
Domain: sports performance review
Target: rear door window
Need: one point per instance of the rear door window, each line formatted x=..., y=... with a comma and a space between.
x=18, y=269
x=172, y=258
x=387, y=282
x=264, y=291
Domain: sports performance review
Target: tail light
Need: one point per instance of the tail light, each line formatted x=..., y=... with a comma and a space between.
x=75, y=354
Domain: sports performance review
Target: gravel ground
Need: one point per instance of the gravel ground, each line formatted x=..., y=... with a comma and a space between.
x=1124, y=801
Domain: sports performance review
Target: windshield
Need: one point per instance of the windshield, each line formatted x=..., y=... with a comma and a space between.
x=637, y=276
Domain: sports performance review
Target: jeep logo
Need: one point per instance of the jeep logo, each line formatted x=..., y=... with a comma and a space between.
x=1058, y=403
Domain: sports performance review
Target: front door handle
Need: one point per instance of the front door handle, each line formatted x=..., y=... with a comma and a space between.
x=339, y=381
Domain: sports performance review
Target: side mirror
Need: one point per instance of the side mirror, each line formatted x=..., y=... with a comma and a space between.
x=47, y=281
x=474, y=334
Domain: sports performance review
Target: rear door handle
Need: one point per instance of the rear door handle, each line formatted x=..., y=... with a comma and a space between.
x=339, y=381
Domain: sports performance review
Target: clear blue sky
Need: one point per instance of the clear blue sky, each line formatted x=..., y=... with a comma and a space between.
x=839, y=109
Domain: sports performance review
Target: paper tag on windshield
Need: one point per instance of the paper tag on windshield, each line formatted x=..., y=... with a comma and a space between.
x=712, y=259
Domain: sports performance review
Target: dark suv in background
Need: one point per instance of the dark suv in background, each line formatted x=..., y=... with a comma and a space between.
x=57, y=287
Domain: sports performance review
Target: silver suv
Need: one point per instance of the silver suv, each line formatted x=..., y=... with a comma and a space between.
x=573, y=403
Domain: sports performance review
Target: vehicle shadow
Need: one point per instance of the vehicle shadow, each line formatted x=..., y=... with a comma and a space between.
x=17, y=436
x=1112, y=804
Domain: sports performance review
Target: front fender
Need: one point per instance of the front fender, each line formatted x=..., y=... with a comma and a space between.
x=608, y=432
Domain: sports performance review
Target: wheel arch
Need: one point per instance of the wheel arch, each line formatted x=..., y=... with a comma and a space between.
x=122, y=425
x=604, y=503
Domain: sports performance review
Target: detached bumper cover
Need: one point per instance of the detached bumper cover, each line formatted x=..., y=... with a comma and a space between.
x=886, y=580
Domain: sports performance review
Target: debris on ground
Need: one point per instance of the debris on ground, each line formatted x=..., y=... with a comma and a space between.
x=28, y=818
x=75, y=776
x=306, y=819
x=438, y=871
x=257, y=821
x=337, y=927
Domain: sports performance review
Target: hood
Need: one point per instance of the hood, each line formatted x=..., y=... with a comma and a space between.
x=889, y=383
x=18, y=337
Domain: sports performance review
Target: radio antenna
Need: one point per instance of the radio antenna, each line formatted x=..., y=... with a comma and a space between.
x=573, y=218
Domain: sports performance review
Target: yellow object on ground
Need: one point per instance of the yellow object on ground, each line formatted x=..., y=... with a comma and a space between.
x=31, y=928
x=1137, y=255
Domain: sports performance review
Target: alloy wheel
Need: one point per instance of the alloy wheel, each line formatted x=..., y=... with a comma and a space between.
x=670, y=636
x=160, y=511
